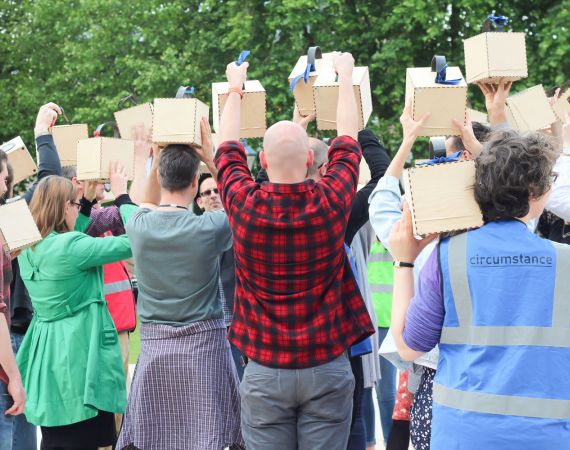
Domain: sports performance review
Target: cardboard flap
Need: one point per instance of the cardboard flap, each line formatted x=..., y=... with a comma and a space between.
x=20, y=159
x=17, y=226
x=65, y=138
x=423, y=77
x=95, y=155
x=320, y=63
x=433, y=212
x=562, y=106
x=530, y=110
x=177, y=121
x=130, y=117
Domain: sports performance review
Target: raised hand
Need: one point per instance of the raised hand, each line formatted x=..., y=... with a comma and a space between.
x=119, y=178
x=236, y=75
x=404, y=247
x=343, y=64
x=303, y=121
x=411, y=127
x=471, y=145
x=495, y=100
x=46, y=116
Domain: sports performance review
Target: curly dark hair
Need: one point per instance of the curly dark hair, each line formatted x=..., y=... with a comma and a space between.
x=511, y=169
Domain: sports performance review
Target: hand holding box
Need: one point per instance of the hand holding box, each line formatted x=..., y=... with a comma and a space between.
x=177, y=120
x=439, y=90
x=493, y=55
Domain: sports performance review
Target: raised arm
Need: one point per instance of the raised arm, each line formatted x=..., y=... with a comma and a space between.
x=206, y=152
x=378, y=161
x=49, y=163
x=495, y=101
x=151, y=195
x=231, y=115
x=346, y=113
x=143, y=150
x=86, y=252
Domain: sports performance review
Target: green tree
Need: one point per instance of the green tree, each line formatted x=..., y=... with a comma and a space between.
x=87, y=54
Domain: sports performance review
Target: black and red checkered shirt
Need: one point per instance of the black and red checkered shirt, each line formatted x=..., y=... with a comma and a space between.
x=297, y=303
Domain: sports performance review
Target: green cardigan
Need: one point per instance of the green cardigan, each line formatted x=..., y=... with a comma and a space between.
x=70, y=359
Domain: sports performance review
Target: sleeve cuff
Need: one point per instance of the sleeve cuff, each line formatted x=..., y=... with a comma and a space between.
x=44, y=139
x=502, y=127
x=123, y=199
x=86, y=206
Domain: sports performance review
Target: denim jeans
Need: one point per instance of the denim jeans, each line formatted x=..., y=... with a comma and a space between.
x=386, y=389
x=15, y=431
x=236, y=355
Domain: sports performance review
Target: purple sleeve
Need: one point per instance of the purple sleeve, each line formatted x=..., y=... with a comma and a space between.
x=106, y=219
x=424, y=319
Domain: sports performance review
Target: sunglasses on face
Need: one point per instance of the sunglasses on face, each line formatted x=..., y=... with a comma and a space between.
x=208, y=192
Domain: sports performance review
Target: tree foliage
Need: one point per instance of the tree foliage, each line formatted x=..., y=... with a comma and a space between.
x=87, y=54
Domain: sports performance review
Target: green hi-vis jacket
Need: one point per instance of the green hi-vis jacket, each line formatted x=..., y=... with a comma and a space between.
x=70, y=359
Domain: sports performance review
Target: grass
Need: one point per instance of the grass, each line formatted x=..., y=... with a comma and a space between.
x=135, y=347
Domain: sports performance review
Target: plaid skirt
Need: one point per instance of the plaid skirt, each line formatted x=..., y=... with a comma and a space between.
x=185, y=390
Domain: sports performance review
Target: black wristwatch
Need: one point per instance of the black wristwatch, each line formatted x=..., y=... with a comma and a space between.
x=403, y=264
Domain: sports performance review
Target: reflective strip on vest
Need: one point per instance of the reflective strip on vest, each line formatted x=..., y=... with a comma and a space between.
x=506, y=405
x=117, y=286
x=466, y=334
x=382, y=288
x=561, y=307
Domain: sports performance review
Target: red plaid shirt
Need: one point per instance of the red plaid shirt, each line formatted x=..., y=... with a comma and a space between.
x=297, y=302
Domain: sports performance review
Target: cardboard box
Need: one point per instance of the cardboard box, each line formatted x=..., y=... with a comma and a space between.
x=303, y=91
x=495, y=55
x=66, y=138
x=127, y=118
x=17, y=226
x=253, y=110
x=20, y=159
x=478, y=116
x=95, y=154
x=177, y=121
x=443, y=101
x=325, y=91
x=433, y=212
x=529, y=110
x=562, y=106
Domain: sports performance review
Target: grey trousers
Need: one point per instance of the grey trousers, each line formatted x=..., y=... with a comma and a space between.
x=290, y=409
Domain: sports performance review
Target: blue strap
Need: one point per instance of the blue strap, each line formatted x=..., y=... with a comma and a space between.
x=498, y=20
x=185, y=92
x=310, y=68
x=441, y=77
x=242, y=56
x=443, y=159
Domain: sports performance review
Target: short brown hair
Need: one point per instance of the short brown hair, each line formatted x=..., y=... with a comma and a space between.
x=177, y=167
x=49, y=202
x=510, y=170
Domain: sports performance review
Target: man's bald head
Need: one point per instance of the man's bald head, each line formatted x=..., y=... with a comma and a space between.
x=286, y=153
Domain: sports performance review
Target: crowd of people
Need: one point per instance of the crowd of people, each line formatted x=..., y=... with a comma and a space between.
x=264, y=302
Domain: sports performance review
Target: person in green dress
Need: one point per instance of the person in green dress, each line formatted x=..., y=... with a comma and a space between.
x=70, y=359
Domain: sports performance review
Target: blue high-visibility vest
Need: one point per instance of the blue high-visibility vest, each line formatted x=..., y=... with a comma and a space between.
x=503, y=378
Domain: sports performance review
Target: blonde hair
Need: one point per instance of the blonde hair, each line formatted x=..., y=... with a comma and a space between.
x=49, y=203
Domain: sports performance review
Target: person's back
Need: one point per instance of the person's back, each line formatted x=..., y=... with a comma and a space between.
x=185, y=375
x=512, y=323
x=297, y=305
x=177, y=266
x=497, y=302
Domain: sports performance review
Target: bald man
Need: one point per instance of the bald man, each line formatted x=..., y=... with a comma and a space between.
x=297, y=306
